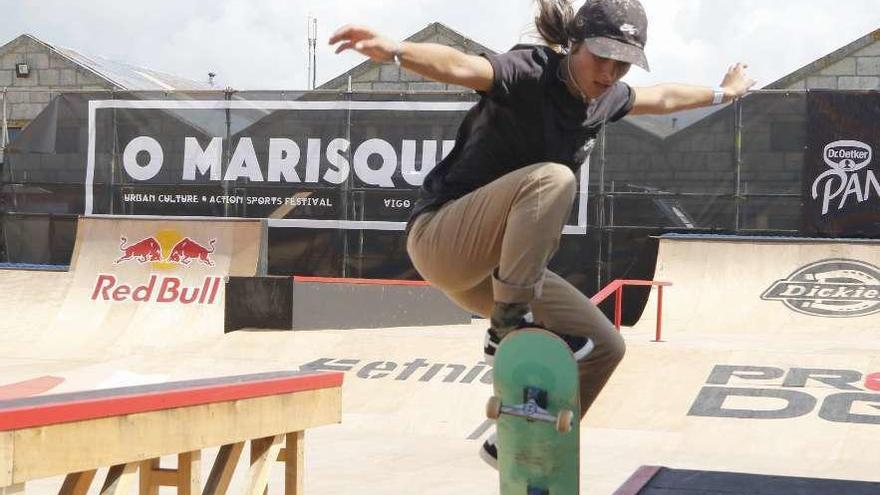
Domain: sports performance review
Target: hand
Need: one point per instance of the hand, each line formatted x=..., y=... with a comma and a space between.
x=736, y=82
x=366, y=42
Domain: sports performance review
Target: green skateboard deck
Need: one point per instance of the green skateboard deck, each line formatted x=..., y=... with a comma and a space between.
x=537, y=407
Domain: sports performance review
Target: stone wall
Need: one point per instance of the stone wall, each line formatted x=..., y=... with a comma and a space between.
x=858, y=71
x=50, y=73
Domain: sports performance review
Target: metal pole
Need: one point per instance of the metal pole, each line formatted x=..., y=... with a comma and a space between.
x=618, y=307
x=4, y=133
x=309, y=56
x=227, y=153
x=737, y=151
x=659, y=313
x=114, y=168
x=312, y=26
x=601, y=210
x=315, y=53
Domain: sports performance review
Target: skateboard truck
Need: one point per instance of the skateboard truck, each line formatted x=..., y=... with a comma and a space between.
x=533, y=409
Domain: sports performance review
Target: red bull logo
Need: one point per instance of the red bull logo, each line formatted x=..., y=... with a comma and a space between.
x=187, y=250
x=145, y=251
x=165, y=250
x=157, y=289
x=150, y=250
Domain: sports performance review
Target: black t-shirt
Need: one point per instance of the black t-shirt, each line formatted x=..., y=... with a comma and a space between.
x=527, y=117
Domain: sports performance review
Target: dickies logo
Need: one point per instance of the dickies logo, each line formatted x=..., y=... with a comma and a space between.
x=833, y=288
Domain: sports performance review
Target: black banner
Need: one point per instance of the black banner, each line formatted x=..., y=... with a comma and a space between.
x=298, y=163
x=841, y=190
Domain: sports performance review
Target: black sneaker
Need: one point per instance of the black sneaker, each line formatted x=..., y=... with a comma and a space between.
x=581, y=347
x=489, y=452
x=490, y=346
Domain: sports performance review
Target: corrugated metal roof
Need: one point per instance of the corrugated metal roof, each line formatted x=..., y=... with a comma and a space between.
x=126, y=76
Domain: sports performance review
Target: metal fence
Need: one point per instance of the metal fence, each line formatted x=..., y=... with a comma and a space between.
x=736, y=169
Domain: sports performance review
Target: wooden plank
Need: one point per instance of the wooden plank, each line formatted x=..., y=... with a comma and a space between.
x=120, y=479
x=148, y=483
x=262, y=460
x=6, y=458
x=294, y=463
x=82, y=406
x=167, y=432
x=189, y=473
x=17, y=489
x=77, y=483
x=165, y=477
x=259, y=446
x=224, y=468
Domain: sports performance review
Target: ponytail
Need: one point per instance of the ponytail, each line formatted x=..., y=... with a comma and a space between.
x=554, y=22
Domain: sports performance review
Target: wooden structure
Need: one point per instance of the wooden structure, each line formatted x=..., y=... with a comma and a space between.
x=130, y=429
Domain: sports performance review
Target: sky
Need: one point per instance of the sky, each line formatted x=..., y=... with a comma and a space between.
x=262, y=44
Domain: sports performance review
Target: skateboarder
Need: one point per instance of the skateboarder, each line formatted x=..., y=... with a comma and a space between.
x=492, y=212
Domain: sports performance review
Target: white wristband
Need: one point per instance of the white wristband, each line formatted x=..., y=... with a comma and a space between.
x=718, y=96
x=395, y=56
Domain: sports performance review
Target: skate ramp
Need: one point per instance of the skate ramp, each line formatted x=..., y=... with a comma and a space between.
x=769, y=364
x=743, y=396
x=408, y=389
x=779, y=285
x=138, y=283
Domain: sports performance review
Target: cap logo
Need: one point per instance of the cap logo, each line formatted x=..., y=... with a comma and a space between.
x=629, y=29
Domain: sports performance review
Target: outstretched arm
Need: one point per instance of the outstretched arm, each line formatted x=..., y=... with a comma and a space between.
x=437, y=62
x=669, y=98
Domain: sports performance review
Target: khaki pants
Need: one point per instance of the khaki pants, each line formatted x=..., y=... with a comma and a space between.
x=494, y=244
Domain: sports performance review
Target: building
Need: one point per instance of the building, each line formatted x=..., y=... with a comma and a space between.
x=32, y=71
x=853, y=67
x=732, y=169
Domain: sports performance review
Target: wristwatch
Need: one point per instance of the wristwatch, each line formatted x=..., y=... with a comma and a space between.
x=717, y=96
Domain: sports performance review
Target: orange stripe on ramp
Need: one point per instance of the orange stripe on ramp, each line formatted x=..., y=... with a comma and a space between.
x=29, y=388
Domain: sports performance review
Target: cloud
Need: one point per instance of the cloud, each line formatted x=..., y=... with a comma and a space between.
x=262, y=45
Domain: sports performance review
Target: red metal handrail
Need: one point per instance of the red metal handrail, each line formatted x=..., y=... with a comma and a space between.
x=616, y=288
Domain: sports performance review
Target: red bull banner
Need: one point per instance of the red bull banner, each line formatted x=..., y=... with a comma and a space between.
x=841, y=190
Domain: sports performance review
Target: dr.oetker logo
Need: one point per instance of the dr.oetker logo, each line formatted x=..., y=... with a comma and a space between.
x=841, y=184
x=848, y=155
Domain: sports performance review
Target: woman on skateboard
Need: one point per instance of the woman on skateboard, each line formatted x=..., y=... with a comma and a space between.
x=492, y=212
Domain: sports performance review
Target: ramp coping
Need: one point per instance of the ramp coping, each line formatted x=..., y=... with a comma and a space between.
x=765, y=238
x=78, y=406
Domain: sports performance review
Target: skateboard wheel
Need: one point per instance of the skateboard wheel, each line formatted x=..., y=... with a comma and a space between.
x=493, y=407
x=564, y=420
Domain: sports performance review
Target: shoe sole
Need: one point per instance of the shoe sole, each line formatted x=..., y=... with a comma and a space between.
x=488, y=459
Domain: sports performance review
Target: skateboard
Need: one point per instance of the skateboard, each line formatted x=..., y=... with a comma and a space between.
x=537, y=408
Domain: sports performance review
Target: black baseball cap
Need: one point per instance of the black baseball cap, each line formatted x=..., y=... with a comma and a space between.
x=615, y=29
